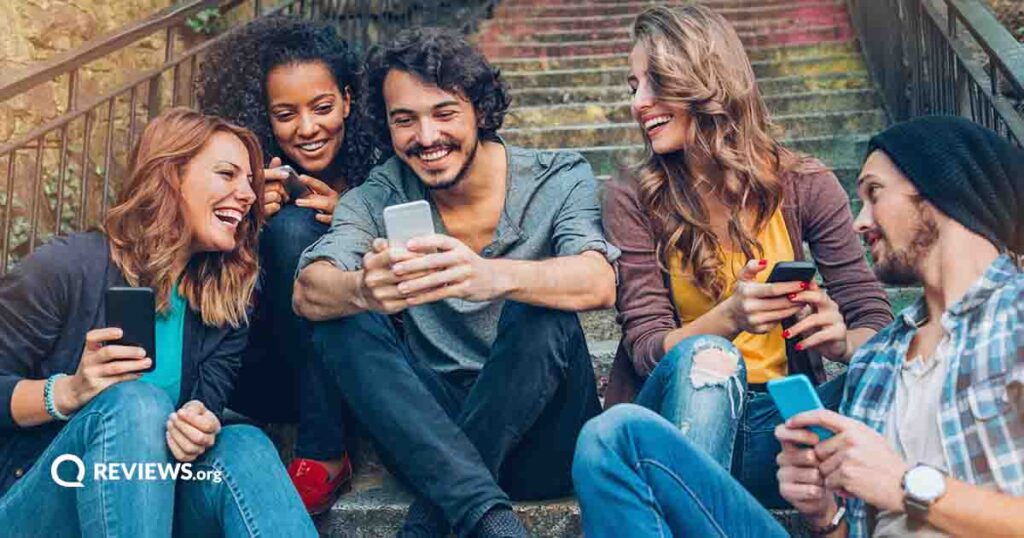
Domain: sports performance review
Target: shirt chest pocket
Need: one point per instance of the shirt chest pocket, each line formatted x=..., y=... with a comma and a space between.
x=989, y=399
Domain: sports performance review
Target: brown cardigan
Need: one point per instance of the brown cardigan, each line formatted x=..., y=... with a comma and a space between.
x=816, y=209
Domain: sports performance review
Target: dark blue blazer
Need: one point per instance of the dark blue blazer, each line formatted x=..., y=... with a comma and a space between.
x=48, y=303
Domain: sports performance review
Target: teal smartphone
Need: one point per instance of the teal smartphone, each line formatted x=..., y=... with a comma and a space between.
x=793, y=395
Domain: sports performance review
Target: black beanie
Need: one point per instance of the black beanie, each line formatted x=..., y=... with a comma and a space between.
x=970, y=173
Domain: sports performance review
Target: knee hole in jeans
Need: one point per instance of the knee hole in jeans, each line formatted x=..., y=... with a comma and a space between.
x=714, y=366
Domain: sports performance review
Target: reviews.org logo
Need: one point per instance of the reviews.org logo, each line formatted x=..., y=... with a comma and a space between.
x=114, y=472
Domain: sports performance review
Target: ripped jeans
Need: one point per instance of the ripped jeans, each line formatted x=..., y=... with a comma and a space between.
x=718, y=414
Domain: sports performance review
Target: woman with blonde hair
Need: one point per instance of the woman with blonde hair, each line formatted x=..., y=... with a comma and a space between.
x=716, y=202
x=186, y=226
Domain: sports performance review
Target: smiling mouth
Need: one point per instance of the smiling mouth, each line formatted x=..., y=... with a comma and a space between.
x=230, y=217
x=432, y=155
x=655, y=122
x=311, y=147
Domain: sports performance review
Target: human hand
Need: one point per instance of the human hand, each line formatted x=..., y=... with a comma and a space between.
x=320, y=197
x=857, y=461
x=445, y=267
x=378, y=289
x=824, y=329
x=274, y=193
x=100, y=367
x=756, y=307
x=800, y=480
x=191, y=430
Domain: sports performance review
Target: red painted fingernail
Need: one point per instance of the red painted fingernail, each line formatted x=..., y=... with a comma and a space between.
x=785, y=334
x=799, y=347
x=792, y=296
x=762, y=263
x=804, y=285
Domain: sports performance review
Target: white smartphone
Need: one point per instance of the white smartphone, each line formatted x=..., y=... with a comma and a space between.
x=406, y=221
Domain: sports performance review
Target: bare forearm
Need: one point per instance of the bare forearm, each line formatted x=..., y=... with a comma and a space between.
x=854, y=339
x=324, y=292
x=574, y=283
x=28, y=407
x=713, y=321
x=968, y=510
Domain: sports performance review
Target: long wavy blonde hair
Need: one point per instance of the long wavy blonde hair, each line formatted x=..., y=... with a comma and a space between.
x=695, y=59
x=148, y=232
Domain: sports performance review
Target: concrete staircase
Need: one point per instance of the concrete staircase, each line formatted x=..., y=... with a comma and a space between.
x=566, y=64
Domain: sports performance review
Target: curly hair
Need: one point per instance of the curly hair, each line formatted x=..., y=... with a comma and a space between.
x=440, y=57
x=232, y=83
x=696, y=60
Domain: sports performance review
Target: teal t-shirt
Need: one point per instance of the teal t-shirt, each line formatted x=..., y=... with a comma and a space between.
x=169, y=337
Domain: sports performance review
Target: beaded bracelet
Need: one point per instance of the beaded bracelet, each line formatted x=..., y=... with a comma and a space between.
x=51, y=408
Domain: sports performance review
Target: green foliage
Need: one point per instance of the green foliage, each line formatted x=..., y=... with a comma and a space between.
x=206, y=22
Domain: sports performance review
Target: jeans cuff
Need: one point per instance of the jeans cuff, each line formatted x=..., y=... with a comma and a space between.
x=472, y=517
x=318, y=451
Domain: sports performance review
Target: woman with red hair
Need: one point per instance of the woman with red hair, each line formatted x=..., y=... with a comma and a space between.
x=185, y=227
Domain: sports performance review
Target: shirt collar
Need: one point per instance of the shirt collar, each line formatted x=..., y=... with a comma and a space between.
x=998, y=273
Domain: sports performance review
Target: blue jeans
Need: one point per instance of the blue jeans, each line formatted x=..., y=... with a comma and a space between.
x=281, y=380
x=637, y=475
x=734, y=425
x=125, y=424
x=468, y=441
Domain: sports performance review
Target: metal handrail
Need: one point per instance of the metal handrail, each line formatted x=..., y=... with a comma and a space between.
x=46, y=201
x=99, y=47
x=943, y=57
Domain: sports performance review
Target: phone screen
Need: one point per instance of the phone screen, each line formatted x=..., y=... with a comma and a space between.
x=407, y=221
x=133, y=310
x=793, y=395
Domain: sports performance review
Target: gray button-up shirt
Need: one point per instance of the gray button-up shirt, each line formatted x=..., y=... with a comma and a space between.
x=551, y=209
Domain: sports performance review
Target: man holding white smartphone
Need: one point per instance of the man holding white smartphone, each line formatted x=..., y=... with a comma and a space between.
x=480, y=397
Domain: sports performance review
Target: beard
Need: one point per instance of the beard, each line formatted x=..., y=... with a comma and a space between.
x=460, y=175
x=900, y=267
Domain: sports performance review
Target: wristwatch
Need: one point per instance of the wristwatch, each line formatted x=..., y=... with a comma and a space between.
x=922, y=486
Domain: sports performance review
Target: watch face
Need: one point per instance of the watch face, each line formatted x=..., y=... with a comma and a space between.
x=925, y=483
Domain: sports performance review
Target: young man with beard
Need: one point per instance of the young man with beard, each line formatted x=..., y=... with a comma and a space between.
x=478, y=398
x=930, y=441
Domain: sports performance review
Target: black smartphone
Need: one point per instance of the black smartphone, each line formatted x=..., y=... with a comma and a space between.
x=792, y=272
x=133, y=310
x=294, y=185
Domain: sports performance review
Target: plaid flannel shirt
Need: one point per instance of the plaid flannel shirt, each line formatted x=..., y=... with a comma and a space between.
x=981, y=413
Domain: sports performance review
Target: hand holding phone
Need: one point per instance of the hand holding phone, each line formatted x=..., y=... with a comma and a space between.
x=133, y=310
x=407, y=221
x=793, y=395
x=802, y=271
x=293, y=184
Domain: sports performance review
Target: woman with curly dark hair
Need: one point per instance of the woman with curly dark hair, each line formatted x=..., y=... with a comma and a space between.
x=292, y=82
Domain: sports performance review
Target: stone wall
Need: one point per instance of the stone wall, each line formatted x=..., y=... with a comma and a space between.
x=32, y=31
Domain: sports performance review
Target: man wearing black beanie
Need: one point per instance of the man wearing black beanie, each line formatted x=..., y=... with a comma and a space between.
x=930, y=441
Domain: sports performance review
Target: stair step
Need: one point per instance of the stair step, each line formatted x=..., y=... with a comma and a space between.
x=757, y=54
x=596, y=76
x=526, y=25
x=714, y=4
x=376, y=506
x=796, y=125
x=623, y=46
x=617, y=112
x=734, y=11
x=751, y=35
x=841, y=150
x=620, y=92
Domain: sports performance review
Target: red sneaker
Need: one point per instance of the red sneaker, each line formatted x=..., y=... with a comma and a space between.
x=310, y=478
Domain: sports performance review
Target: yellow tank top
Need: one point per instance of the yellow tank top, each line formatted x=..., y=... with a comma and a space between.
x=764, y=354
